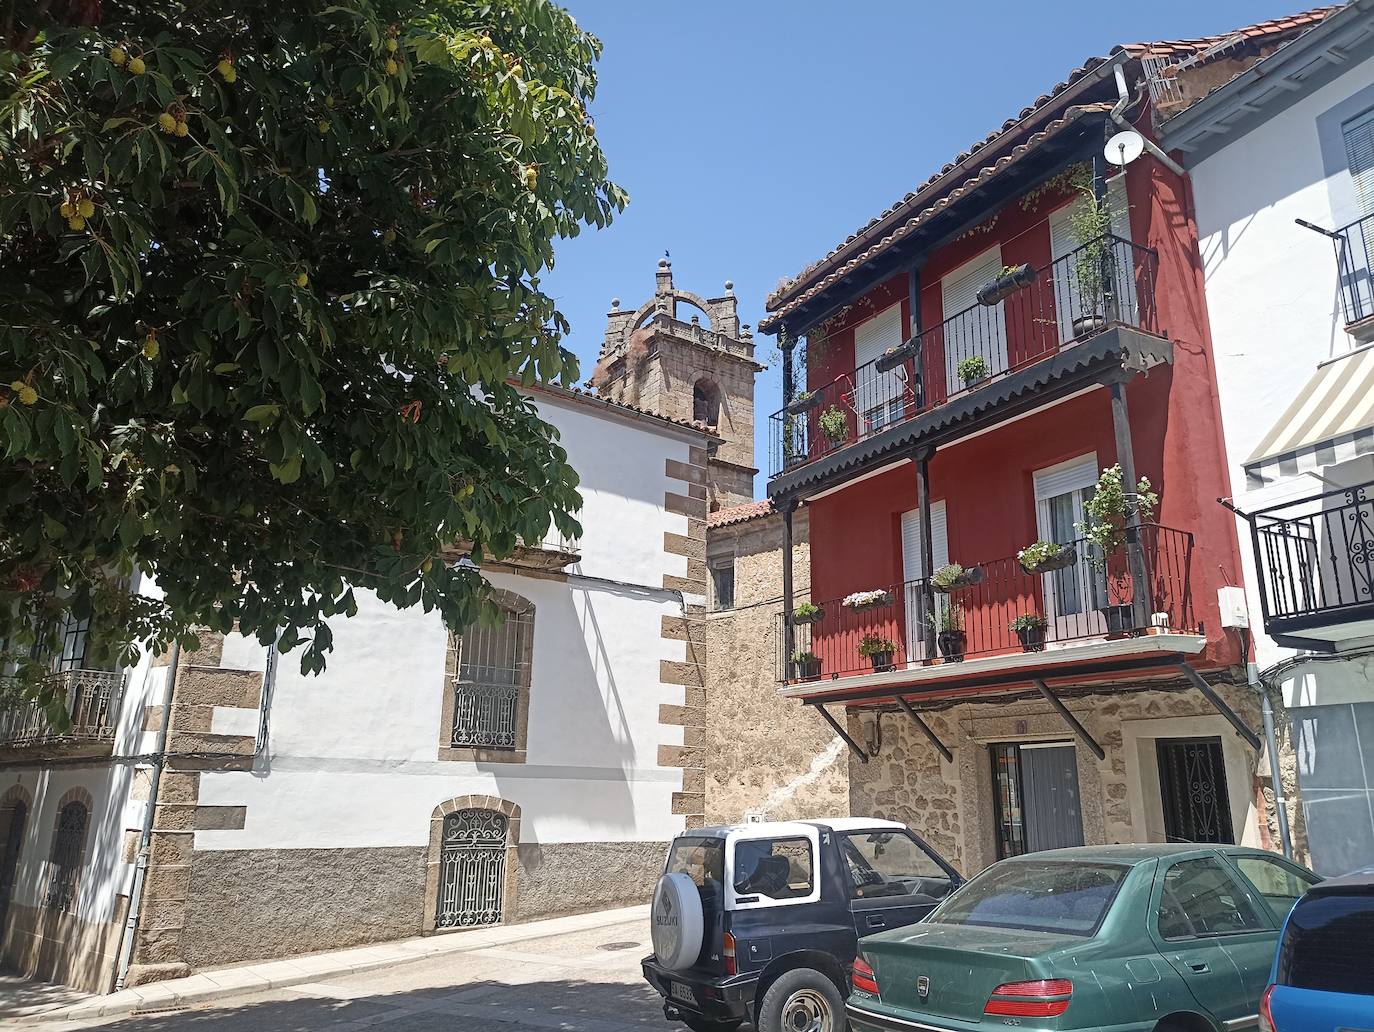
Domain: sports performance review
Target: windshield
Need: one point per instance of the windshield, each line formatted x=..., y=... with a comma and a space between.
x=1040, y=896
x=891, y=863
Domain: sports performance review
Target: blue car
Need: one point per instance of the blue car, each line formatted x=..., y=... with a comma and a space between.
x=1323, y=974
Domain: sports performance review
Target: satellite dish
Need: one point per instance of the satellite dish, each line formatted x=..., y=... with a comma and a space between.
x=1124, y=147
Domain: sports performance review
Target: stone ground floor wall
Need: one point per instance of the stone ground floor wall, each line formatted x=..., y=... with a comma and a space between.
x=60, y=947
x=952, y=804
x=253, y=904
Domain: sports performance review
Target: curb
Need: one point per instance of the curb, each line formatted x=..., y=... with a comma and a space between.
x=227, y=983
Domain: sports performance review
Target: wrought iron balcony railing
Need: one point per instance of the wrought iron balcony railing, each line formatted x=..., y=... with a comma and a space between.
x=1106, y=282
x=1088, y=598
x=1315, y=557
x=484, y=715
x=92, y=699
x=1353, y=265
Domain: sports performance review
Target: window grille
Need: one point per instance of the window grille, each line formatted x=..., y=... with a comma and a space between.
x=67, y=845
x=472, y=869
x=493, y=669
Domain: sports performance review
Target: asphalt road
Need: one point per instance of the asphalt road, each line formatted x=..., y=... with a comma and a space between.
x=572, y=982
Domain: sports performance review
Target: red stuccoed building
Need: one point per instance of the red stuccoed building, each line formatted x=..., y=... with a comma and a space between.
x=958, y=374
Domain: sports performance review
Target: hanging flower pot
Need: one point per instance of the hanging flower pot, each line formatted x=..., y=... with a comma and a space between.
x=1030, y=630
x=806, y=666
x=867, y=599
x=1046, y=557
x=951, y=645
x=804, y=402
x=807, y=614
x=954, y=577
x=1086, y=324
x=893, y=357
x=878, y=650
x=1012, y=279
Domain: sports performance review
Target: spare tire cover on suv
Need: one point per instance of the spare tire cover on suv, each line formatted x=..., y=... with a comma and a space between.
x=675, y=922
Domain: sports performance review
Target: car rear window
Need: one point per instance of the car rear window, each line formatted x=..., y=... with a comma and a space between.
x=1328, y=944
x=701, y=859
x=1041, y=896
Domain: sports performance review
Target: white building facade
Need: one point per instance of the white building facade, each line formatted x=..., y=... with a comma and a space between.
x=427, y=780
x=1281, y=160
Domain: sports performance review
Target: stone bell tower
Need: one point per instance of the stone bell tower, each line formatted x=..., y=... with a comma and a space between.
x=688, y=370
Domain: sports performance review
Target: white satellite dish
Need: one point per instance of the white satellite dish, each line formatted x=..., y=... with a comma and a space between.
x=1124, y=147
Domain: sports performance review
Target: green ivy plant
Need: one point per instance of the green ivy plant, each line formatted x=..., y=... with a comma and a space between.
x=1105, y=513
x=269, y=292
x=834, y=424
x=1090, y=222
x=973, y=369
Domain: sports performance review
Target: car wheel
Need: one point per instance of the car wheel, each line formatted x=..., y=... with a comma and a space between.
x=802, y=1000
x=697, y=1024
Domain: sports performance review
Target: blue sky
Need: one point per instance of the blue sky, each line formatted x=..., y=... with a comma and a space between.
x=753, y=136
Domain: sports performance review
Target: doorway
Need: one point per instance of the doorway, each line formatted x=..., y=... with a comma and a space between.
x=472, y=869
x=11, y=842
x=1035, y=788
x=1192, y=789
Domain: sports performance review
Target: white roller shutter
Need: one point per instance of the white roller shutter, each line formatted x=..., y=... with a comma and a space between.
x=979, y=331
x=877, y=396
x=1075, y=475
x=911, y=541
x=874, y=336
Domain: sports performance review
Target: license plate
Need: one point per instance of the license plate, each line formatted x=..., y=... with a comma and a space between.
x=678, y=991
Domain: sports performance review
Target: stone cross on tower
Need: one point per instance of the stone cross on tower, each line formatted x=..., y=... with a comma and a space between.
x=651, y=358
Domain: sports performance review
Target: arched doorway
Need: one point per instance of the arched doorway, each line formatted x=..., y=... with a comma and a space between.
x=472, y=869
x=14, y=818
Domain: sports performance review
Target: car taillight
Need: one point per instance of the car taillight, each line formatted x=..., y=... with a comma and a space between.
x=727, y=954
x=1043, y=998
x=1266, y=1013
x=864, y=977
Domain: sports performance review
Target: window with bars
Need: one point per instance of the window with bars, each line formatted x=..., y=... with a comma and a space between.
x=494, y=662
x=64, y=865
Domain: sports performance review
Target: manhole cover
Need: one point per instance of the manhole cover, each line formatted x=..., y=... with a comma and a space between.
x=617, y=945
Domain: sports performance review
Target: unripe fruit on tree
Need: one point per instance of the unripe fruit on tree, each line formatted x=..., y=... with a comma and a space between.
x=388, y=236
x=66, y=209
x=27, y=395
x=392, y=67
x=518, y=71
x=77, y=223
x=118, y=55
x=391, y=46
x=302, y=280
x=531, y=178
x=426, y=566
x=166, y=123
x=85, y=207
x=182, y=129
x=226, y=70
x=150, y=348
x=323, y=126
x=136, y=66
x=329, y=102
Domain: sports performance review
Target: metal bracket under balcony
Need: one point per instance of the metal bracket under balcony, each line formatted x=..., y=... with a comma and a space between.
x=1115, y=350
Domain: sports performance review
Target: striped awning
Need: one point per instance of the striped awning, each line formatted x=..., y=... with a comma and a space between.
x=1331, y=420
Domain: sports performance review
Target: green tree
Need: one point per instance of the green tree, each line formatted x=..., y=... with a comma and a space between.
x=267, y=269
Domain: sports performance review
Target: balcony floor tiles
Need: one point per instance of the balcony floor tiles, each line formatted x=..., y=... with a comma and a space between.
x=1018, y=666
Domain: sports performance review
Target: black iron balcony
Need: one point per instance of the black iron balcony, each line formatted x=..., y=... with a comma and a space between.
x=1106, y=282
x=1353, y=264
x=1085, y=598
x=1315, y=558
x=91, y=698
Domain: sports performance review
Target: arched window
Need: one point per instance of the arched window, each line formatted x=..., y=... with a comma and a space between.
x=68, y=846
x=490, y=667
x=706, y=403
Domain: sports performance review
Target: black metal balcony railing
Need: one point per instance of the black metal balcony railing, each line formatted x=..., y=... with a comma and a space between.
x=1106, y=282
x=92, y=698
x=1316, y=555
x=1084, y=601
x=1353, y=265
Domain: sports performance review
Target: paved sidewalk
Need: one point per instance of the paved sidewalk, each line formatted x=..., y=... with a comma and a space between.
x=218, y=985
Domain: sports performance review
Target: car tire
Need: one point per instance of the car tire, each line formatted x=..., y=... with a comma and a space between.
x=802, y=999
x=697, y=1024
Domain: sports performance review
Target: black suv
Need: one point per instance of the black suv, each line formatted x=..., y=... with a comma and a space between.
x=761, y=922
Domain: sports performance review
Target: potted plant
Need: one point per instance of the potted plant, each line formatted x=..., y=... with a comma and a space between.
x=805, y=401
x=1011, y=279
x=1118, y=612
x=806, y=666
x=1030, y=629
x=878, y=650
x=867, y=599
x=953, y=577
x=947, y=621
x=1046, y=557
x=1106, y=512
x=834, y=424
x=973, y=369
x=1090, y=223
x=893, y=357
x=806, y=613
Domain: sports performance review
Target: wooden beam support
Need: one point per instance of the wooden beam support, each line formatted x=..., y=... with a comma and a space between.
x=1210, y=694
x=1070, y=719
x=925, y=729
x=853, y=745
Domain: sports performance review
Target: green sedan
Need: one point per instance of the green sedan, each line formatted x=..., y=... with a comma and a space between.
x=1149, y=938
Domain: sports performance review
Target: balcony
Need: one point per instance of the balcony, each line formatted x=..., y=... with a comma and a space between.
x=554, y=553
x=1102, y=286
x=92, y=699
x=1091, y=608
x=1315, y=558
x=1353, y=264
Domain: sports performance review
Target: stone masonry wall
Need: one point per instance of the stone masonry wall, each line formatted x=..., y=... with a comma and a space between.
x=765, y=753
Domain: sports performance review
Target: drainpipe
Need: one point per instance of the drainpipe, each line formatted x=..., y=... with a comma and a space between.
x=126, y=943
x=1115, y=115
x=1271, y=743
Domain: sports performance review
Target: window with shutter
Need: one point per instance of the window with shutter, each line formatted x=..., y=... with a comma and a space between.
x=1073, y=594
x=1359, y=153
x=913, y=570
x=970, y=328
x=878, y=397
